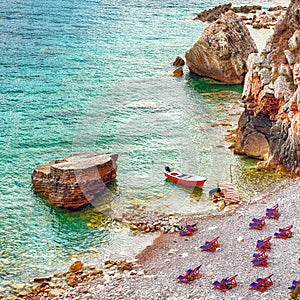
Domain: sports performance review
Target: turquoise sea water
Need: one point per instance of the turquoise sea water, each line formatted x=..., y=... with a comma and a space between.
x=93, y=75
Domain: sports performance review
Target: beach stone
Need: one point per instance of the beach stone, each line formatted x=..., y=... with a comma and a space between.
x=72, y=280
x=184, y=255
x=222, y=50
x=255, y=145
x=55, y=293
x=41, y=279
x=179, y=61
x=178, y=72
x=75, y=181
x=77, y=266
x=108, y=265
x=240, y=239
x=22, y=294
x=140, y=272
x=19, y=286
x=59, y=274
x=123, y=265
x=96, y=272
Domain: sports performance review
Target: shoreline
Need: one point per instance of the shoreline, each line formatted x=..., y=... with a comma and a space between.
x=148, y=255
x=155, y=270
x=170, y=255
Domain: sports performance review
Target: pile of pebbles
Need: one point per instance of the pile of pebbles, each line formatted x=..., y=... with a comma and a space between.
x=140, y=219
x=53, y=287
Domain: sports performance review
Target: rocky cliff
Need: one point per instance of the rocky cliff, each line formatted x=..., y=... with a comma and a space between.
x=269, y=126
x=75, y=181
x=222, y=50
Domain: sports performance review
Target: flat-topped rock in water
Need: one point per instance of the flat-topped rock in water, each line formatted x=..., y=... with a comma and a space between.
x=75, y=181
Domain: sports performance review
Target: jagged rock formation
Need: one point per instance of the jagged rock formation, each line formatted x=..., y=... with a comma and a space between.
x=210, y=15
x=269, y=126
x=222, y=50
x=252, y=15
x=74, y=181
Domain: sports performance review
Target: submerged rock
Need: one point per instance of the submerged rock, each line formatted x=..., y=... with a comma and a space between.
x=222, y=50
x=74, y=181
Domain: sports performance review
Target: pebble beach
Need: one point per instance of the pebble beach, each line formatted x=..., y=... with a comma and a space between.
x=39, y=243
x=157, y=267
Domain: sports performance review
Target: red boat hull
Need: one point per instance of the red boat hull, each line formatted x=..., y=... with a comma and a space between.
x=185, y=182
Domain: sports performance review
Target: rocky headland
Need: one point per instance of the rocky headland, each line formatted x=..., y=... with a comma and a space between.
x=268, y=128
x=75, y=181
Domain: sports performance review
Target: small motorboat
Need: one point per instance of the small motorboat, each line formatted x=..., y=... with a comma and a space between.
x=184, y=178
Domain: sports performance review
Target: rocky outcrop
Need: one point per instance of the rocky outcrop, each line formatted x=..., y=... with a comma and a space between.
x=210, y=15
x=269, y=126
x=222, y=50
x=75, y=181
x=252, y=15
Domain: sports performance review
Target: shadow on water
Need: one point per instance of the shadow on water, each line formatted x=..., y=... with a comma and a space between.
x=250, y=181
x=207, y=85
x=71, y=229
x=195, y=192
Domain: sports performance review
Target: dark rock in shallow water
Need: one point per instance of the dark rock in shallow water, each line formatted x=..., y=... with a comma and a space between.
x=178, y=72
x=178, y=62
x=74, y=181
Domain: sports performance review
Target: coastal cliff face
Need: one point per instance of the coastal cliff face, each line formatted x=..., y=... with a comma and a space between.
x=74, y=181
x=269, y=128
x=222, y=50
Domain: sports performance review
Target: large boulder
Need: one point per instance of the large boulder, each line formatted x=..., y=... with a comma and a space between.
x=272, y=99
x=222, y=50
x=75, y=181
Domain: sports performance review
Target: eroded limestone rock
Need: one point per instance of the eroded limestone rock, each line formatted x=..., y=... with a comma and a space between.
x=222, y=50
x=74, y=181
x=271, y=99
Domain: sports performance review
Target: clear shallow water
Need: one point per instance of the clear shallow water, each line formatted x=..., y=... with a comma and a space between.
x=96, y=76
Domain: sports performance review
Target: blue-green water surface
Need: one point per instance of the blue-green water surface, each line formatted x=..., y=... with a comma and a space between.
x=80, y=76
